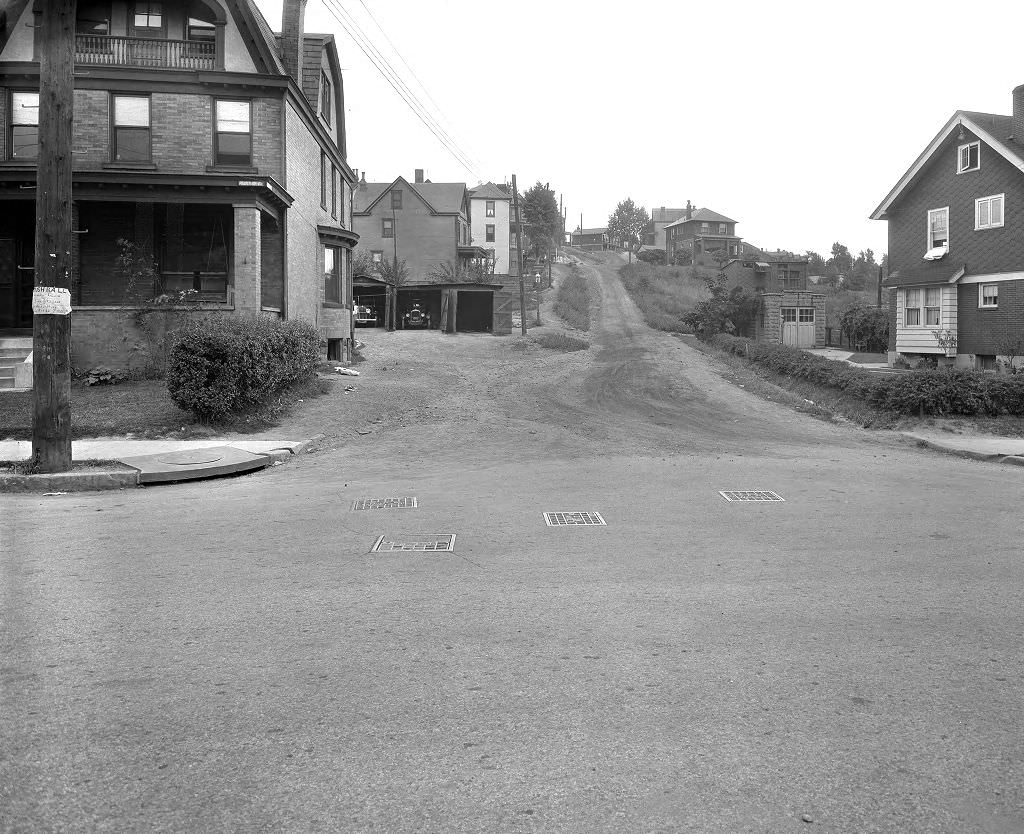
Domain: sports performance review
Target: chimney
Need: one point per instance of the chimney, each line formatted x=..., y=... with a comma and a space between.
x=292, y=26
x=419, y=175
x=1018, y=114
x=689, y=210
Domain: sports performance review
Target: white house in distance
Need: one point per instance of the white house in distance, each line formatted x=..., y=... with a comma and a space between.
x=490, y=209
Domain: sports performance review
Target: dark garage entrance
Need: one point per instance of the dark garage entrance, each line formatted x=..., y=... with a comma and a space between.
x=475, y=312
x=467, y=308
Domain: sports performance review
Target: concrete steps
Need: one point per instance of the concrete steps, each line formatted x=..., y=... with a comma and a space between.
x=15, y=362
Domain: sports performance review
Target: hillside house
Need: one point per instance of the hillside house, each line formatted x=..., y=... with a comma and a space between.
x=956, y=244
x=490, y=218
x=211, y=145
x=707, y=235
x=596, y=238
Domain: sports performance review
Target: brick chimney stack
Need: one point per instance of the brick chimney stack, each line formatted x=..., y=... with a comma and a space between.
x=292, y=26
x=419, y=175
x=1018, y=114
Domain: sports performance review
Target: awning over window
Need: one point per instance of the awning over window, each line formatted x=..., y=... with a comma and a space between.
x=935, y=253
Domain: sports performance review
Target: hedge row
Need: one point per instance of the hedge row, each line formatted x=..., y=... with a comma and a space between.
x=938, y=392
x=218, y=368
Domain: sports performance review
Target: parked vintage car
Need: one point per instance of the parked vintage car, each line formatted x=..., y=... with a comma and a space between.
x=416, y=316
x=365, y=316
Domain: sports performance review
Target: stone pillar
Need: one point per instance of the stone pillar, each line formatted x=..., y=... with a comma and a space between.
x=246, y=259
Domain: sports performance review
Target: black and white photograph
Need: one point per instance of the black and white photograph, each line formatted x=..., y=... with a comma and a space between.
x=555, y=416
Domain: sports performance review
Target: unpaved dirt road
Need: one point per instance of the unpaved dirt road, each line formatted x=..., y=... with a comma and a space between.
x=230, y=656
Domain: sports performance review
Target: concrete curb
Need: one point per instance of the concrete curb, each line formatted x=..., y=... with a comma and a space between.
x=100, y=479
x=106, y=479
x=986, y=457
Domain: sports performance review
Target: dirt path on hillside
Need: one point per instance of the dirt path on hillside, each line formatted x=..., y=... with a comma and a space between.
x=426, y=396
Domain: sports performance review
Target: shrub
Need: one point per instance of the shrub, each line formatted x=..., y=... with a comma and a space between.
x=866, y=325
x=226, y=366
x=572, y=303
x=658, y=257
x=105, y=376
x=928, y=391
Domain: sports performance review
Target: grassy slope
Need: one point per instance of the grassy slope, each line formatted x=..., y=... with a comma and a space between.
x=664, y=293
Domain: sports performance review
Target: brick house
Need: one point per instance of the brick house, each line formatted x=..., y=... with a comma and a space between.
x=214, y=146
x=703, y=232
x=660, y=218
x=426, y=224
x=956, y=243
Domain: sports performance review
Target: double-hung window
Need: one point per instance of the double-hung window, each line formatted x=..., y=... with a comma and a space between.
x=489, y=232
x=932, y=306
x=332, y=275
x=131, y=131
x=323, y=180
x=723, y=229
x=24, y=133
x=968, y=157
x=387, y=228
x=489, y=208
x=334, y=190
x=912, y=308
x=988, y=212
x=396, y=199
x=988, y=295
x=233, y=136
x=938, y=233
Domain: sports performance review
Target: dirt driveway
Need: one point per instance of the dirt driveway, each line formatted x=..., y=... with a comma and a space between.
x=635, y=390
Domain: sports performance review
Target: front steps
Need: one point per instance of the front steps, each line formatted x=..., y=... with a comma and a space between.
x=15, y=362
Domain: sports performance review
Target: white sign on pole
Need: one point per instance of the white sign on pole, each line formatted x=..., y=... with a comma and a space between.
x=51, y=301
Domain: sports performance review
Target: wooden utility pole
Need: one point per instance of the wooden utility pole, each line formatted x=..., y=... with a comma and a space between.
x=519, y=255
x=51, y=298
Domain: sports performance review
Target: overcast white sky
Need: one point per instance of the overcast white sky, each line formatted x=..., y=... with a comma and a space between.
x=793, y=117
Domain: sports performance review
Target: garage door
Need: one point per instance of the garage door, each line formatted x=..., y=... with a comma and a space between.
x=798, y=326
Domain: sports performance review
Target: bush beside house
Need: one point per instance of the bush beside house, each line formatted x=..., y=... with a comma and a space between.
x=218, y=370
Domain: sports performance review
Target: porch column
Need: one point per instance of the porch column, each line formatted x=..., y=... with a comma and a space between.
x=246, y=259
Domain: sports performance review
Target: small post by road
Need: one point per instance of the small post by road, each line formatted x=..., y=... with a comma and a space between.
x=536, y=287
x=519, y=248
x=51, y=297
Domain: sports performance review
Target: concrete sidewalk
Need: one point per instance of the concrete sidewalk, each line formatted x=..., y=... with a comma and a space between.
x=143, y=461
x=988, y=447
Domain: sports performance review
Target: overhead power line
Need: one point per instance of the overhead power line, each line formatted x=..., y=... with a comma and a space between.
x=397, y=83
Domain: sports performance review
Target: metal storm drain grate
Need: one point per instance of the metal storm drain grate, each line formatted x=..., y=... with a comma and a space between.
x=383, y=503
x=439, y=543
x=751, y=495
x=570, y=519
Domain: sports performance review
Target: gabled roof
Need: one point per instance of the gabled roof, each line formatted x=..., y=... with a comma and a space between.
x=445, y=197
x=994, y=130
x=439, y=197
x=250, y=21
x=489, y=191
x=10, y=13
x=703, y=215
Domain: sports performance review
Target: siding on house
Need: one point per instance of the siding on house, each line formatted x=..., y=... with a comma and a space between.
x=921, y=338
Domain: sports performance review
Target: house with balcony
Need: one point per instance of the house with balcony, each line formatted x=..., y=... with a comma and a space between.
x=206, y=146
x=956, y=244
x=705, y=235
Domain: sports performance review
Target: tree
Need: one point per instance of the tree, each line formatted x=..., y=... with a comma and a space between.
x=393, y=273
x=815, y=263
x=723, y=311
x=362, y=262
x=841, y=260
x=540, y=213
x=476, y=272
x=628, y=223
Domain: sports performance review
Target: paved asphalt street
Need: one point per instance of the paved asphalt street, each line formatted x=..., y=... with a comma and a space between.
x=228, y=655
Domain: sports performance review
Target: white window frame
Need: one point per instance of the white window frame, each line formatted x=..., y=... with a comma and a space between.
x=934, y=251
x=907, y=306
x=926, y=307
x=981, y=297
x=489, y=208
x=960, y=156
x=991, y=200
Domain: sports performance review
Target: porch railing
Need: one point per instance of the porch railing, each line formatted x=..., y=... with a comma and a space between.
x=144, y=52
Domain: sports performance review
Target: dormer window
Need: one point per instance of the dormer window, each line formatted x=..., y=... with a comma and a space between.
x=938, y=234
x=968, y=157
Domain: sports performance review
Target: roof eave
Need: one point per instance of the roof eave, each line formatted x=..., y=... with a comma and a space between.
x=959, y=117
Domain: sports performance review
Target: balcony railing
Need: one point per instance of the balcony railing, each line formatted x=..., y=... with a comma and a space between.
x=144, y=52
